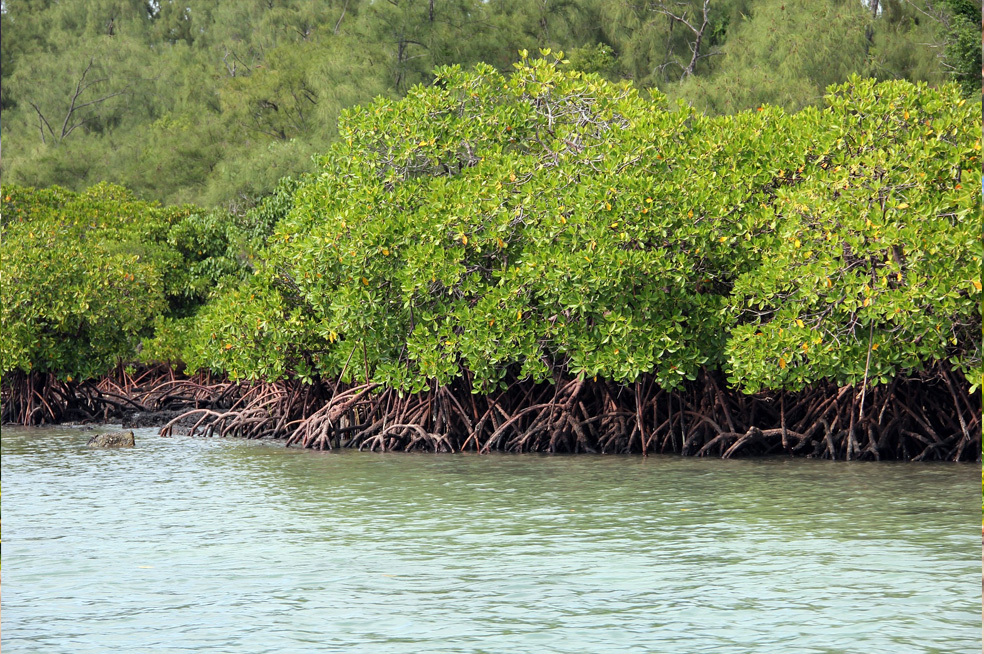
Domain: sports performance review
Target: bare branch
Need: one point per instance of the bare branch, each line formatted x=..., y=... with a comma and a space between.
x=102, y=99
x=339, y=23
x=698, y=32
x=78, y=91
x=43, y=122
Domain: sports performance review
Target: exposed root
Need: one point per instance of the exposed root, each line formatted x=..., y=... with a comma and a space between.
x=931, y=417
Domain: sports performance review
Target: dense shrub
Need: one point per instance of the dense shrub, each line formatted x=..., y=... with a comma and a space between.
x=552, y=222
x=85, y=276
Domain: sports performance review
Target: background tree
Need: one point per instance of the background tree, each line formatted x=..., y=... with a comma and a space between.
x=213, y=101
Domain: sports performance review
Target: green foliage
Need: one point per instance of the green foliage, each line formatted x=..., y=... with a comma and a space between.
x=876, y=249
x=551, y=221
x=598, y=58
x=213, y=102
x=545, y=222
x=769, y=61
x=962, y=24
x=86, y=275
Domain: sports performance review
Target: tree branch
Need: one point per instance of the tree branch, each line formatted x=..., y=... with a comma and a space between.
x=43, y=122
x=698, y=33
x=78, y=91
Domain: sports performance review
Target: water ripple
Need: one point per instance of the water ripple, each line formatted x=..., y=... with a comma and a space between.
x=184, y=545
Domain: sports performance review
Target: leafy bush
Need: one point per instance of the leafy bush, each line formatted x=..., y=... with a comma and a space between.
x=86, y=275
x=553, y=222
x=542, y=224
x=876, y=248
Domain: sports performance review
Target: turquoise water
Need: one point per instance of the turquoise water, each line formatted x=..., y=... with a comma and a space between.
x=189, y=545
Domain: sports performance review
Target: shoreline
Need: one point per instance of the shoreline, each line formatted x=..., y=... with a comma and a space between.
x=910, y=420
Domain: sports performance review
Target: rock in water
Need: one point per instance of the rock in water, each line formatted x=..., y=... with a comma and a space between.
x=112, y=439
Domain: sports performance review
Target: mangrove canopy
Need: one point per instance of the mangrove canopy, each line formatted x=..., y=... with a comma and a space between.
x=590, y=261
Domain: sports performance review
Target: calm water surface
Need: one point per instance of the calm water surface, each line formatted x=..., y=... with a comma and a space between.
x=190, y=545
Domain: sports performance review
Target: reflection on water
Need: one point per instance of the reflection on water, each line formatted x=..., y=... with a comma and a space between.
x=183, y=545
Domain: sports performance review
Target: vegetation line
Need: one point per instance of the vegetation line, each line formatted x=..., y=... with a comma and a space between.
x=544, y=261
x=915, y=419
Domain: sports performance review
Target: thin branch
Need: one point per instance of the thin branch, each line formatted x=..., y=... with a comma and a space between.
x=43, y=122
x=78, y=91
x=698, y=33
x=339, y=23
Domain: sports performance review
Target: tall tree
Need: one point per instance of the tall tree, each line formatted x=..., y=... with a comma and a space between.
x=212, y=100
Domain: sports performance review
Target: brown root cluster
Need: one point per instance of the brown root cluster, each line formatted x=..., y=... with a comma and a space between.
x=929, y=417
x=933, y=417
x=41, y=398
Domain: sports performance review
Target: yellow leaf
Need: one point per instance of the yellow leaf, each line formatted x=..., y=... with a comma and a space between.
x=723, y=239
x=874, y=346
x=905, y=115
x=796, y=243
x=500, y=242
x=867, y=301
x=690, y=214
x=365, y=282
x=782, y=362
x=977, y=284
x=464, y=240
x=512, y=177
x=519, y=315
x=904, y=205
x=799, y=323
x=386, y=252
x=829, y=283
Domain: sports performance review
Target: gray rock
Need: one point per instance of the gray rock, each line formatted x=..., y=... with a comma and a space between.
x=112, y=439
